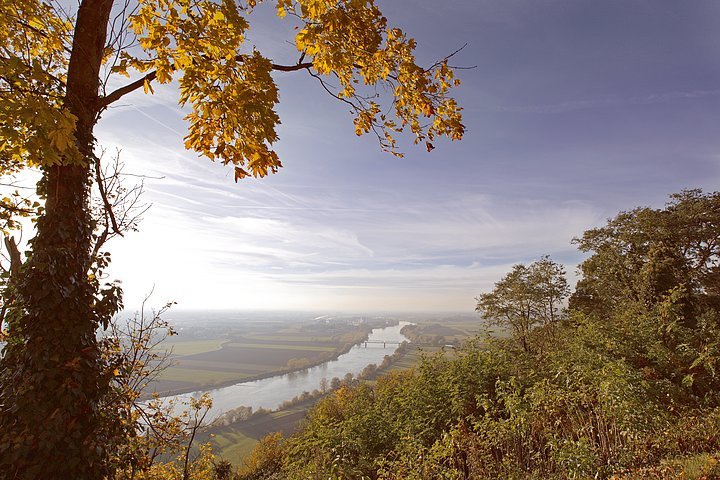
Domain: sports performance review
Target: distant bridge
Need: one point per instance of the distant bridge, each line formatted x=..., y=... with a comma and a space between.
x=385, y=343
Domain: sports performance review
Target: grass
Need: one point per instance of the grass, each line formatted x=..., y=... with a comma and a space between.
x=223, y=366
x=193, y=347
x=233, y=446
x=239, y=451
x=294, y=338
x=235, y=442
x=413, y=355
x=701, y=466
x=200, y=377
x=254, y=350
x=273, y=358
x=263, y=346
x=408, y=361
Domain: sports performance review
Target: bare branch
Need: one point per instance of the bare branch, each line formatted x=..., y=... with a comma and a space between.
x=448, y=57
x=117, y=208
x=15, y=259
x=122, y=91
x=103, y=194
x=292, y=68
x=131, y=87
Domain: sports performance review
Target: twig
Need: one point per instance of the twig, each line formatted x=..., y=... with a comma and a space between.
x=106, y=202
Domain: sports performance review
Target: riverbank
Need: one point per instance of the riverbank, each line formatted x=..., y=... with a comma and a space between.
x=258, y=354
x=235, y=441
x=274, y=373
x=269, y=393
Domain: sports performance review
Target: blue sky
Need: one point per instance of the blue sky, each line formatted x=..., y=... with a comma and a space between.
x=577, y=109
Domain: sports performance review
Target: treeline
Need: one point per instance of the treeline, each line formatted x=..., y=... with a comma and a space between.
x=346, y=342
x=624, y=384
x=425, y=335
x=370, y=372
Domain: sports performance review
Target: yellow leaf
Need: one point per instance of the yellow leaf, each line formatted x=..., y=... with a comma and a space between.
x=147, y=87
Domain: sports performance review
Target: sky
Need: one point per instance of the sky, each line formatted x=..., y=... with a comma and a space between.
x=576, y=110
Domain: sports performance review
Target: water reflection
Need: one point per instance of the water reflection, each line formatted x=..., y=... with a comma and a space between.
x=270, y=392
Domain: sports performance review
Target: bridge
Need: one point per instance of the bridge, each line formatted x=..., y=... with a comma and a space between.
x=385, y=343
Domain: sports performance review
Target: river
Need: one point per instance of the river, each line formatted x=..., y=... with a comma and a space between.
x=270, y=392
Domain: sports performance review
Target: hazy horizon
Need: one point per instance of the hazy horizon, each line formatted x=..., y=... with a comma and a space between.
x=576, y=110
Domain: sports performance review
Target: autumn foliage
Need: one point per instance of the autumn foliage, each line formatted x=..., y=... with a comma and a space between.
x=625, y=386
x=57, y=65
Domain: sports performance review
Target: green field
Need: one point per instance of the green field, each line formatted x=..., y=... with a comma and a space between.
x=271, y=346
x=233, y=446
x=296, y=338
x=181, y=348
x=249, y=351
x=237, y=356
x=224, y=366
x=412, y=357
x=234, y=442
x=202, y=378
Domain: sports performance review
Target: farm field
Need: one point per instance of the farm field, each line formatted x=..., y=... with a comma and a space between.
x=212, y=355
x=412, y=357
x=235, y=441
x=224, y=354
x=450, y=329
x=463, y=326
x=191, y=347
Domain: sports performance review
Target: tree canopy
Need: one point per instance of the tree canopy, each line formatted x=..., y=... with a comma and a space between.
x=622, y=393
x=645, y=253
x=527, y=296
x=226, y=83
x=56, y=71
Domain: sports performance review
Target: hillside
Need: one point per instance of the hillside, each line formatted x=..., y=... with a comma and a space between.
x=623, y=385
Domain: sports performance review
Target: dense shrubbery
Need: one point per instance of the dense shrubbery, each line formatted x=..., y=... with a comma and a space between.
x=626, y=385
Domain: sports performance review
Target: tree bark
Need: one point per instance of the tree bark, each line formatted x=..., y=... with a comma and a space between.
x=52, y=373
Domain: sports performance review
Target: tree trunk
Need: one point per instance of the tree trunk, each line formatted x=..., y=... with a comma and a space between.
x=52, y=373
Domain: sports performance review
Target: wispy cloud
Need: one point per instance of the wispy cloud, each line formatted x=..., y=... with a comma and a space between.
x=460, y=244
x=344, y=227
